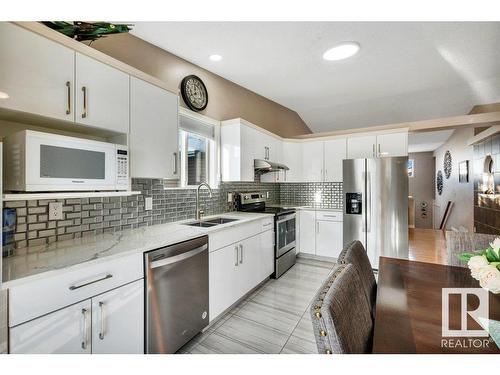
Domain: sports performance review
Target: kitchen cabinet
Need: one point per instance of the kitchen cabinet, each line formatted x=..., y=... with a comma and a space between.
x=154, y=129
x=392, y=144
x=361, y=147
x=36, y=73
x=65, y=331
x=328, y=238
x=274, y=153
x=102, y=95
x=112, y=322
x=118, y=320
x=307, y=231
x=312, y=161
x=292, y=158
x=335, y=151
x=378, y=145
x=237, y=268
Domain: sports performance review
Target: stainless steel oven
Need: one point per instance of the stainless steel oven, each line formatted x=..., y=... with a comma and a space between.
x=285, y=233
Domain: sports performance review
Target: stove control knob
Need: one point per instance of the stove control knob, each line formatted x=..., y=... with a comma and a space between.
x=246, y=197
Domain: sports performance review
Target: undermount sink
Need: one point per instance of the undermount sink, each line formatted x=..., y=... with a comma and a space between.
x=220, y=220
x=211, y=222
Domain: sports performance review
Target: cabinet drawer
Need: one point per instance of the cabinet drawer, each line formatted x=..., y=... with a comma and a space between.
x=234, y=234
x=33, y=299
x=267, y=224
x=329, y=215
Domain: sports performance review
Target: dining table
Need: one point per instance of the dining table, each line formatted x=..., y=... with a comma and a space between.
x=411, y=309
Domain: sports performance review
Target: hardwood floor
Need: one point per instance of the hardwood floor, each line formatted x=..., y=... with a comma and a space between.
x=427, y=245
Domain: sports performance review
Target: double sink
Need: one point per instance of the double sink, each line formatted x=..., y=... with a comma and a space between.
x=211, y=222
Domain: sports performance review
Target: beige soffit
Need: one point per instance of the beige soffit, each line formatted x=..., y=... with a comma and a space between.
x=79, y=47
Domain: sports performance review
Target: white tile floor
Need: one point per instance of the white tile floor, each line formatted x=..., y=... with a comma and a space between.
x=273, y=319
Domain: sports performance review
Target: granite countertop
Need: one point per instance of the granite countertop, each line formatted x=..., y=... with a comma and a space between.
x=31, y=263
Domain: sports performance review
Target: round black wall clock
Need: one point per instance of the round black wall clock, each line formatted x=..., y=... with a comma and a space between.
x=194, y=93
x=439, y=182
x=447, y=164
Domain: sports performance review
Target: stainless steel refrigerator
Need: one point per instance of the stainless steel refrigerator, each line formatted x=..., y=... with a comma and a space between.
x=375, y=193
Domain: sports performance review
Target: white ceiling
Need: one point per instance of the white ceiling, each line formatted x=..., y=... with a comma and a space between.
x=428, y=141
x=404, y=71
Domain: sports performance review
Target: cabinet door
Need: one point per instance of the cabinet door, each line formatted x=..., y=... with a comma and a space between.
x=361, y=147
x=307, y=229
x=154, y=131
x=102, y=95
x=312, y=161
x=36, y=73
x=118, y=320
x=266, y=264
x=395, y=144
x=292, y=158
x=66, y=331
x=251, y=149
x=335, y=153
x=223, y=279
x=328, y=238
x=250, y=263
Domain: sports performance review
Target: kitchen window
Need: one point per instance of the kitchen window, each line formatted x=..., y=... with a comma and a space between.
x=198, y=152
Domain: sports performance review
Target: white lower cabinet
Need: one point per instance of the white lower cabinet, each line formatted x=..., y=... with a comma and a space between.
x=307, y=234
x=320, y=233
x=112, y=322
x=328, y=238
x=66, y=331
x=118, y=320
x=236, y=269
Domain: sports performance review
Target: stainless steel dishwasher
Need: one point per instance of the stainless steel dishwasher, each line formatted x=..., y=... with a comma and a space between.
x=176, y=279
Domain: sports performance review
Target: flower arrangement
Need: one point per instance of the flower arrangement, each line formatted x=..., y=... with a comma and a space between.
x=485, y=266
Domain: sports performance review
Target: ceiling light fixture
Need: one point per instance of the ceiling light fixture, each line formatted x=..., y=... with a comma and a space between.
x=215, y=57
x=4, y=95
x=342, y=51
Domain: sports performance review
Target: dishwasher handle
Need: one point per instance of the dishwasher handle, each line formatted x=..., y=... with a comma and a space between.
x=178, y=258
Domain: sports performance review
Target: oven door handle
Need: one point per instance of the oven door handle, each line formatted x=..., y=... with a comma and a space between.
x=286, y=218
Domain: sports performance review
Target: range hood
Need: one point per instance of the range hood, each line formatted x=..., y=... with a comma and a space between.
x=266, y=166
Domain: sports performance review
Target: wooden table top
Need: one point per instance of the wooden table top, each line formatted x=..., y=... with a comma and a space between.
x=408, y=312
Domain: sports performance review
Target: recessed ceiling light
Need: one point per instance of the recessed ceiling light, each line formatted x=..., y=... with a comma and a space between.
x=4, y=95
x=342, y=51
x=215, y=57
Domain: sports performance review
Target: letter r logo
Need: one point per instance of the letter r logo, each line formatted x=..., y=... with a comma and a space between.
x=480, y=315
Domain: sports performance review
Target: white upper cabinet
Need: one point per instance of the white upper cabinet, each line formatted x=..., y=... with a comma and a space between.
x=312, y=161
x=154, y=122
x=36, y=73
x=274, y=152
x=377, y=146
x=361, y=147
x=102, y=95
x=393, y=144
x=292, y=158
x=334, y=154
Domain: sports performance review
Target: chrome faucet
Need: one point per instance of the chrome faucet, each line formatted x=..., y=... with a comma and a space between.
x=199, y=213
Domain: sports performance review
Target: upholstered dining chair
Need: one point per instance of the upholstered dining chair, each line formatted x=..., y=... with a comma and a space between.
x=355, y=254
x=341, y=315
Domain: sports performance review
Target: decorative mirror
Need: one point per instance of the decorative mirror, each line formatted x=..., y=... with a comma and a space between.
x=439, y=182
x=447, y=164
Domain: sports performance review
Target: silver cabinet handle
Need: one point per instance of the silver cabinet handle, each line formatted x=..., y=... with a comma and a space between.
x=85, y=329
x=373, y=150
x=68, y=108
x=101, y=308
x=379, y=149
x=73, y=287
x=175, y=162
x=241, y=253
x=237, y=256
x=84, y=90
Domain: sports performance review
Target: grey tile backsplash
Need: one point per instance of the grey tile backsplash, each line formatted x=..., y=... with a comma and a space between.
x=92, y=216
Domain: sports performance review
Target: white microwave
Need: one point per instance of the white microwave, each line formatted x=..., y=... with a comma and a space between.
x=36, y=161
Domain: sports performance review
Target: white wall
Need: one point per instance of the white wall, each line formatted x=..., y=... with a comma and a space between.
x=461, y=194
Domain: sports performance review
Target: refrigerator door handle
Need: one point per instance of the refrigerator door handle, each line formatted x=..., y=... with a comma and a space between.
x=368, y=201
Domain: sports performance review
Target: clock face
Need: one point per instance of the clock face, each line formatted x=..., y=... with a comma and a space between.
x=194, y=93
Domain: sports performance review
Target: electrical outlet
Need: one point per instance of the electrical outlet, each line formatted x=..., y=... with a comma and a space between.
x=148, y=203
x=55, y=211
x=229, y=197
x=267, y=194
